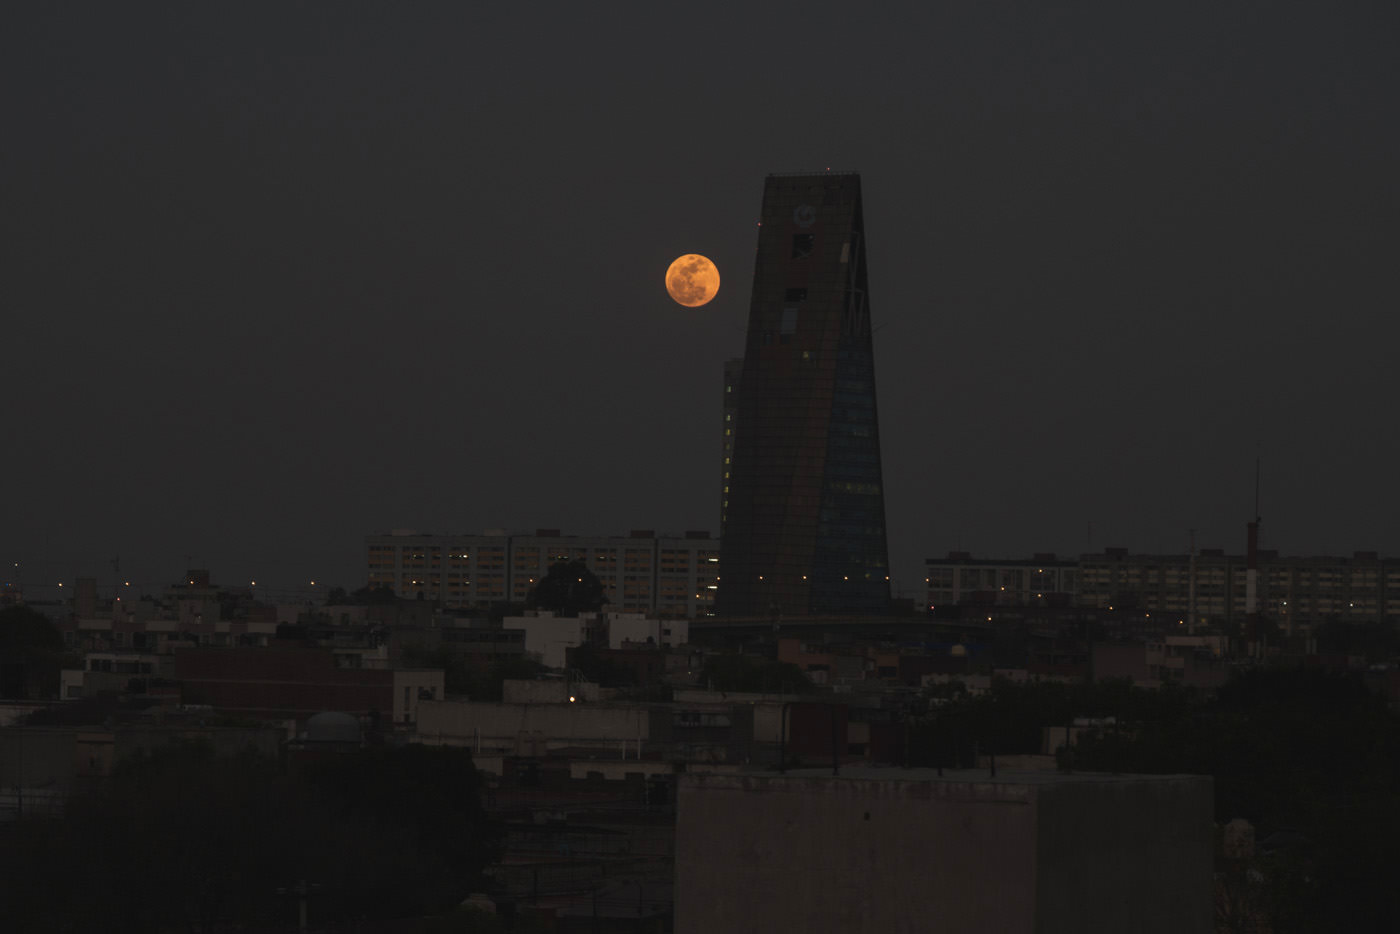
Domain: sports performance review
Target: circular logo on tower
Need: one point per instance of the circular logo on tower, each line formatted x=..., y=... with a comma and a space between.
x=804, y=215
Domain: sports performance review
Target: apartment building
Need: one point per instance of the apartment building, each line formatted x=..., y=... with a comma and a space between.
x=1298, y=593
x=641, y=572
x=961, y=578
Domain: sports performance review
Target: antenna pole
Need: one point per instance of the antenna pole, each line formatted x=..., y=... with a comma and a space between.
x=1191, y=588
x=1256, y=486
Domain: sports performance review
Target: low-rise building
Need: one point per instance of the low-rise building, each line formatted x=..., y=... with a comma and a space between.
x=297, y=683
x=885, y=849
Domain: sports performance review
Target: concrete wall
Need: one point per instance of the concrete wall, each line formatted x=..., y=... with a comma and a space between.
x=38, y=757
x=1121, y=660
x=891, y=850
x=547, y=635
x=1122, y=855
x=499, y=726
x=222, y=741
x=548, y=691
x=281, y=682
x=412, y=687
x=760, y=854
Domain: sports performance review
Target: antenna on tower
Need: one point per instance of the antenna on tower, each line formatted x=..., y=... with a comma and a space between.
x=1191, y=588
x=1257, y=517
x=1253, y=631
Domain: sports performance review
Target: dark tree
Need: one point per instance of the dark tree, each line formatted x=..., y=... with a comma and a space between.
x=181, y=840
x=569, y=589
x=31, y=654
x=1310, y=758
x=421, y=807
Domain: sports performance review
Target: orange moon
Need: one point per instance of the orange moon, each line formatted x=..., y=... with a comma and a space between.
x=692, y=280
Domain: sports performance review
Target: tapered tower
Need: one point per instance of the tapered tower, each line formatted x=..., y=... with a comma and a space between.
x=804, y=510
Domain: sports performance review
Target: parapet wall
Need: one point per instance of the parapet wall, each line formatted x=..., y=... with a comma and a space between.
x=891, y=850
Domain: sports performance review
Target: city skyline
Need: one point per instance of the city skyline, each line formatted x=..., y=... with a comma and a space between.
x=279, y=284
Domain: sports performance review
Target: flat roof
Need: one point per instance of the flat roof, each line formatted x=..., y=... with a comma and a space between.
x=892, y=773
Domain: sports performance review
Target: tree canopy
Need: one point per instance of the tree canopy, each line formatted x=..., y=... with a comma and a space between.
x=181, y=840
x=31, y=654
x=1308, y=757
x=569, y=589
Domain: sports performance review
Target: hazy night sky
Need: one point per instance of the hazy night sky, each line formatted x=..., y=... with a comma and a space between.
x=279, y=276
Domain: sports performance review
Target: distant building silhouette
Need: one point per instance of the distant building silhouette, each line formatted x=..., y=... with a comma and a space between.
x=803, y=505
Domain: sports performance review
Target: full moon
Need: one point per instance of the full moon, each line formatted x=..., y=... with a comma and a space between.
x=692, y=280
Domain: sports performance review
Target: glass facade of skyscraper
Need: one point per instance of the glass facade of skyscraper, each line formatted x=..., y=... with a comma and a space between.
x=804, y=515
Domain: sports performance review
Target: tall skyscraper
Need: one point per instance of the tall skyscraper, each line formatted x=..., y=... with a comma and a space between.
x=804, y=507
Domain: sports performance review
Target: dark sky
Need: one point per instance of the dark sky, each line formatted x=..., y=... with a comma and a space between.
x=278, y=276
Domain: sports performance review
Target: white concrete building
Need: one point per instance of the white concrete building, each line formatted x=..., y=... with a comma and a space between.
x=548, y=637
x=638, y=629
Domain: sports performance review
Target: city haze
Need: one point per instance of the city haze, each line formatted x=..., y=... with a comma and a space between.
x=280, y=277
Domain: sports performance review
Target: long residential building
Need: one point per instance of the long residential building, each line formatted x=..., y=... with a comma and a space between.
x=1296, y=593
x=641, y=572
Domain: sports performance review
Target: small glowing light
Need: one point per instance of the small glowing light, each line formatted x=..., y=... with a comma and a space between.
x=252, y=583
x=60, y=583
x=760, y=577
x=128, y=583
x=571, y=698
x=313, y=583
